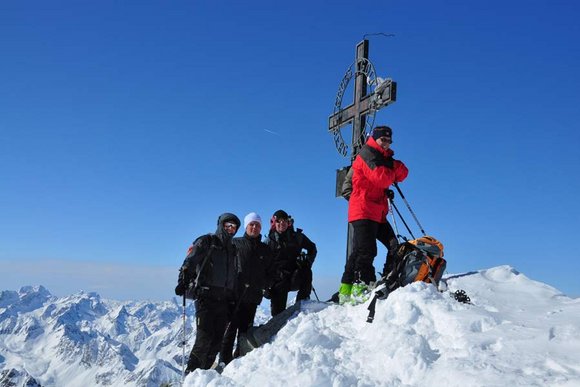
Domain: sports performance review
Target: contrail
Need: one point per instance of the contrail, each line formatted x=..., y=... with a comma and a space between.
x=269, y=131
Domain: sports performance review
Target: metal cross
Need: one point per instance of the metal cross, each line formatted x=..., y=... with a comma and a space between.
x=355, y=112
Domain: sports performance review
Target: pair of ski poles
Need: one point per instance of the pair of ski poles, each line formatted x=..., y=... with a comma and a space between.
x=392, y=205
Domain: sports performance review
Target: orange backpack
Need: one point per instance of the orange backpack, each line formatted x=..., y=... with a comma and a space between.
x=420, y=259
x=433, y=265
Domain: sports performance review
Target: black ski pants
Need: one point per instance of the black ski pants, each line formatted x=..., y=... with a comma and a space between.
x=211, y=318
x=300, y=280
x=241, y=321
x=359, y=265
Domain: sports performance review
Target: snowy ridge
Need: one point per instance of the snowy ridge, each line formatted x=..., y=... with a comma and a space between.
x=517, y=331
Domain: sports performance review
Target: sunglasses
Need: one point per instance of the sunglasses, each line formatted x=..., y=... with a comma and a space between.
x=230, y=225
x=281, y=220
x=385, y=139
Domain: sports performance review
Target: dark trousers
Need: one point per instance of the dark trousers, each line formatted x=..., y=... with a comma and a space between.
x=300, y=280
x=211, y=318
x=359, y=266
x=241, y=321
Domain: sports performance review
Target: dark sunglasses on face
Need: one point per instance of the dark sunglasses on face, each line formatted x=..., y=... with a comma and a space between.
x=230, y=225
x=281, y=220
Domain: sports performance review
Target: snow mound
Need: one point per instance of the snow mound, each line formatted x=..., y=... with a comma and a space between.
x=515, y=332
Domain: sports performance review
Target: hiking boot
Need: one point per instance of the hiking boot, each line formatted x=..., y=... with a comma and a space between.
x=344, y=294
x=193, y=363
x=344, y=299
x=219, y=367
x=360, y=292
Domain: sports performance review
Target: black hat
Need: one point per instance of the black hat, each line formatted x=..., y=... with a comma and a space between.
x=382, y=131
x=281, y=214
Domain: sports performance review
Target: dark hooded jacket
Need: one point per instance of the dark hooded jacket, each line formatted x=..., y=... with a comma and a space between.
x=286, y=248
x=210, y=266
x=255, y=268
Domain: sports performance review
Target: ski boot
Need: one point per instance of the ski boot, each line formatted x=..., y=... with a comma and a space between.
x=345, y=294
x=361, y=292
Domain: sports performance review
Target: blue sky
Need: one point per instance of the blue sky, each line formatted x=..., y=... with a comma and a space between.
x=127, y=127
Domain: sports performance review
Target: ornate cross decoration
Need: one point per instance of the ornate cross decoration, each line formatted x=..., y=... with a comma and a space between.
x=361, y=113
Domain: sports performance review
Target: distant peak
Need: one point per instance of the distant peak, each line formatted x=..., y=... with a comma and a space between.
x=37, y=289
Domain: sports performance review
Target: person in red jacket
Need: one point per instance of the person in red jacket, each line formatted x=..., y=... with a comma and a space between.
x=374, y=170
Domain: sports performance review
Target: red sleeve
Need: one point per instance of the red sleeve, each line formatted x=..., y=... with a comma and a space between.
x=401, y=171
x=380, y=177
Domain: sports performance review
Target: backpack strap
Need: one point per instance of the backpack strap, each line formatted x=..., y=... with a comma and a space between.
x=371, y=309
x=197, y=286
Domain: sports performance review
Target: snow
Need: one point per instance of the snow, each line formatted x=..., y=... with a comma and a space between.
x=516, y=332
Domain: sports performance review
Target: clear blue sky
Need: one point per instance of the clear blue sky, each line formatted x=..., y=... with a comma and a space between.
x=127, y=127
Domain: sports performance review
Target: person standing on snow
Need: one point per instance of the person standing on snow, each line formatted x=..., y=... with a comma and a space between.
x=255, y=265
x=208, y=275
x=292, y=268
x=373, y=172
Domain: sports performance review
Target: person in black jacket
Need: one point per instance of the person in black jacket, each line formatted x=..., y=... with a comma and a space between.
x=292, y=267
x=208, y=275
x=255, y=265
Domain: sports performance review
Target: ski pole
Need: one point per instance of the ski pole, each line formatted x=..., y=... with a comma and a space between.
x=405, y=223
x=393, y=216
x=314, y=290
x=235, y=327
x=246, y=286
x=409, y=207
x=183, y=344
x=237, y=307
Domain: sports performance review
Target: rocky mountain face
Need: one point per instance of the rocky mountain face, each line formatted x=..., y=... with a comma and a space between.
x=83, y=340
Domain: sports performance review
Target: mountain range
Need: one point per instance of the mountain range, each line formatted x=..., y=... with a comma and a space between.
x=515, y=331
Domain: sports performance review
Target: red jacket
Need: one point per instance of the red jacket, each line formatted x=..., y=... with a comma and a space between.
x=374, y=172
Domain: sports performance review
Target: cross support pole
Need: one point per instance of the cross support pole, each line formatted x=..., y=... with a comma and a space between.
x=355, y=113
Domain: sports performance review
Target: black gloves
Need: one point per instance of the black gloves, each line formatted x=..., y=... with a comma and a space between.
x=303, y=261
x=180, y=289
x=390, y=194
x=182, y=282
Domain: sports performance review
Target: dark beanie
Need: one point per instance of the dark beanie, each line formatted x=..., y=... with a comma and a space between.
x=281, y=214
x=382, y=131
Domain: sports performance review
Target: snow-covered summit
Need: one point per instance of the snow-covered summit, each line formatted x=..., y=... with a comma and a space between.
x=516, y=331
